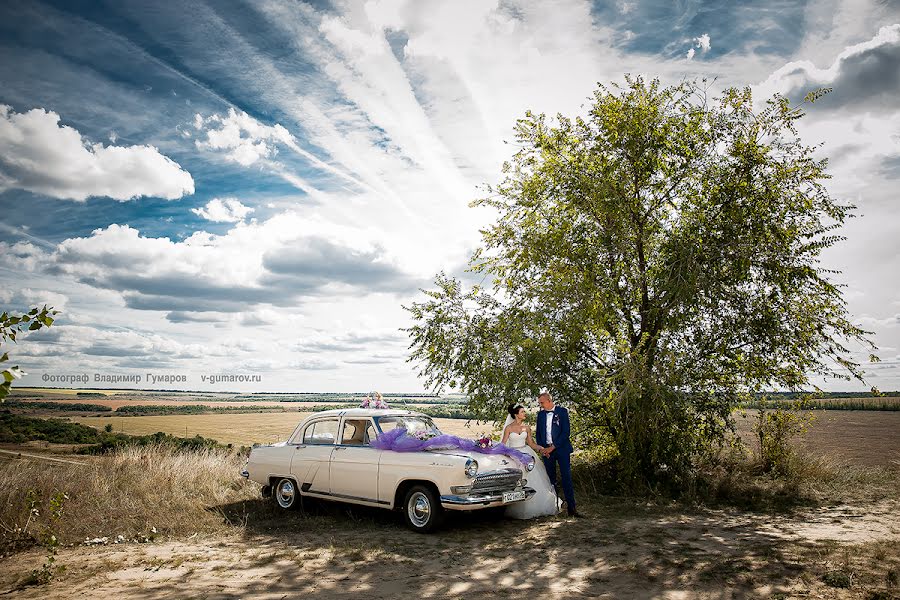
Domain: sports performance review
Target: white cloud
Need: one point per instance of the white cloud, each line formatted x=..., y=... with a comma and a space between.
x=862, y=72
x=225, y=210
x=27, y=298
x=39, y=155
x=245, y=141
x=282, y=261
x=703, y=42
x=242, y=138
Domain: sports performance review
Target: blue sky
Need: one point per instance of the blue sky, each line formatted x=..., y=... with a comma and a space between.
x=257, y=187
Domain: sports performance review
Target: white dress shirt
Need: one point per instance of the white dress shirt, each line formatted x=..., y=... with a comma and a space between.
x=549, y=425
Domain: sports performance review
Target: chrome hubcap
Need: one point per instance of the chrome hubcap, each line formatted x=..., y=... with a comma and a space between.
x=419, y=509
x=285, y=493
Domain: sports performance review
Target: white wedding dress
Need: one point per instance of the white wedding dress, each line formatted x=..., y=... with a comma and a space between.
x=544, y=502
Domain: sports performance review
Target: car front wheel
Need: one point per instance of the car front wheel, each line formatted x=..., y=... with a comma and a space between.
x=286, y=494
x=422, y=509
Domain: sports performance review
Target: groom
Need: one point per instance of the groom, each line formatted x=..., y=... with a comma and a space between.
x=553, y=435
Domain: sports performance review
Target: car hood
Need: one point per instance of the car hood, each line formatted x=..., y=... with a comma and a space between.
x=486, y=462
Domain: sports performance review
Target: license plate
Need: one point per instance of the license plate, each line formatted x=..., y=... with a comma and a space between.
x=513, y=496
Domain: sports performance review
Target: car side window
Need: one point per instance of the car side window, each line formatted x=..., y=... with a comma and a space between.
x=357, y=432
x=321, y=432
x=387, y=424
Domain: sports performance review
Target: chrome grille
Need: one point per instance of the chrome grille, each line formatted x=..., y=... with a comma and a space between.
x=497, y=481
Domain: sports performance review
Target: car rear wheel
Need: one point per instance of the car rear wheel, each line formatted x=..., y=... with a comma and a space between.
x=286, y=494
x=422, y=509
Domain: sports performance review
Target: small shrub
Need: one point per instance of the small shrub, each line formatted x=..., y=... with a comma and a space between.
x=838, y=578
x=41, y=528
x=775, y=432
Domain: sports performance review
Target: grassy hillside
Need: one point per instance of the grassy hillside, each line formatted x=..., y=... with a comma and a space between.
x=18, y=429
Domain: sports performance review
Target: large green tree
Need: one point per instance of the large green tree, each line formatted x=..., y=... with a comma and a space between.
x=650, y=263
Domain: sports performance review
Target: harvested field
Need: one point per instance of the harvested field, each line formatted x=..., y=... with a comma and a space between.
x=865, y=438
x=241, y=429
x=858, y=437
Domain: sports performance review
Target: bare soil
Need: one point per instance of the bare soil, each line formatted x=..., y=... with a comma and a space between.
x=859, y=437
x=615, y=551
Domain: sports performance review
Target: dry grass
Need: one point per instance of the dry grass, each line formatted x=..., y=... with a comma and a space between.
x=808, y=479
x=128, y=493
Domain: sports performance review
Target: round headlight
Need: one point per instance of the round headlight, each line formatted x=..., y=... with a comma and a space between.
x=471, y=467
x=530, y=466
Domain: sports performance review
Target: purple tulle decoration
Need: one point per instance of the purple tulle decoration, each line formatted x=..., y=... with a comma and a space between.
x=399, y=440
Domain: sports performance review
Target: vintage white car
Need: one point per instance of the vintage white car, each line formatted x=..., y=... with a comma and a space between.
x=328, y=456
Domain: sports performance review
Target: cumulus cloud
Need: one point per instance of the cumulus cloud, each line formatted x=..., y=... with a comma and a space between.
x=278, y=262
x=865, y=75
x=246, y=141
x=351, y=341
x=316, y=262
x=225, y=210
x=84, y=340
x=701, y=43
x=40, y=155
x=27, y=298
x=240, y=137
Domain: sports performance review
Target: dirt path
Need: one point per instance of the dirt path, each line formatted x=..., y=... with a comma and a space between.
x=16, y=455
x=615, y=552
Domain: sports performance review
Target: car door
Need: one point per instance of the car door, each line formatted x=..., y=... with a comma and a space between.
x=312, y=453
x=354, y=463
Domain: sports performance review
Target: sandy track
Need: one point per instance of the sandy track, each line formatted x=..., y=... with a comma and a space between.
x=615, y=552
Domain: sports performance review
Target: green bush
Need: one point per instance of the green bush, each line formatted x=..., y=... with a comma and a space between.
x=18, y=429
x=775, y=432
x=60, y=406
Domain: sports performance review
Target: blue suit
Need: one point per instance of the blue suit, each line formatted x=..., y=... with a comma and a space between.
x=562, y=453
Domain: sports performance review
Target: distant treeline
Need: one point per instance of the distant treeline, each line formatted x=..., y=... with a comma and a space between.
x=64, y=406
x=438, y=412
x=145, y=410
x=18, y=429
x=395, y=402
x=835, y=403
x=827, y=395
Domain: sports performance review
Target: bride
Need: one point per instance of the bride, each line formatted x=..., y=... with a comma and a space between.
x=516, y=434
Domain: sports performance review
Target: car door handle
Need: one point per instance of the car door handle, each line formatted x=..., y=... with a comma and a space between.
x=340, y=448
x=301, y=446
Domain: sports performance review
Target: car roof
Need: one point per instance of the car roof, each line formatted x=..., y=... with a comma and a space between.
x=364, y=412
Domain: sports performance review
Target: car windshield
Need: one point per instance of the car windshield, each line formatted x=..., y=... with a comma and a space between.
x=412, y=423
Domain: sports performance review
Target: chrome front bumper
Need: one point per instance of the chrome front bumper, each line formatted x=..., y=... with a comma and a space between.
x=476, y=501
